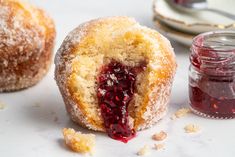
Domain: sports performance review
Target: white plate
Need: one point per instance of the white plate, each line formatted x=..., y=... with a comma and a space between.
x=195, y=22
x=183, y=38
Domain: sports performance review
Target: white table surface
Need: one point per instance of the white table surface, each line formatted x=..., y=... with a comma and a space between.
x=28, y=125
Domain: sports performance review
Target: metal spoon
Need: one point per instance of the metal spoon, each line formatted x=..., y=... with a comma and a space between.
x=190, y=5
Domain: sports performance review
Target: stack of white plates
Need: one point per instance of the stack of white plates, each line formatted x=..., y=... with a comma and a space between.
x=183, y=26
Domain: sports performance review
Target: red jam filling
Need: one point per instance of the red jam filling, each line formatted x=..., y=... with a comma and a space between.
x=212, y=91
x=116, y=86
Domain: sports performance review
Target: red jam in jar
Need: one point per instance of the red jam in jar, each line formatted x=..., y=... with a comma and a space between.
x=212, y=74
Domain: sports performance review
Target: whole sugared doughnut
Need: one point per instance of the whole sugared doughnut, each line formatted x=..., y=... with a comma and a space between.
x=115, y=75
x=26, y=43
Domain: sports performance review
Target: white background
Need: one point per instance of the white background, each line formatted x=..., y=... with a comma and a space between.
x=28, y=127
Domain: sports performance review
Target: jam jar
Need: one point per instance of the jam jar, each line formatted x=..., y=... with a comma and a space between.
x=212, y=75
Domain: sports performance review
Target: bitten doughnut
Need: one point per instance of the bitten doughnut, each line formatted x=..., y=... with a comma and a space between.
x=26, y=43
x=115, y=75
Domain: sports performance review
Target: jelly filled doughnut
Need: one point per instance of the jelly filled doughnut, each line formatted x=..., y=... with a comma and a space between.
x=115, y=76
x=26, y=43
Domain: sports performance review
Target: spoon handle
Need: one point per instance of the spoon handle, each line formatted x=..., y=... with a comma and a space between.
x=226, y=14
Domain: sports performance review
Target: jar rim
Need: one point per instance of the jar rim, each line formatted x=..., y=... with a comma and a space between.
x=196, y=40
x=214, y=52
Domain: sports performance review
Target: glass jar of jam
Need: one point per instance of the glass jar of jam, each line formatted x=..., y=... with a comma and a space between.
x=212, y=74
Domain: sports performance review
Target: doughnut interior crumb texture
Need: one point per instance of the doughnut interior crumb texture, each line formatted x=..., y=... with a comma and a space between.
x=160, y=136
x=26, y=43
x=94, y=44
x=182, y=112
x=144, y=151
x=79, y=142
x=159, y=146
x=192, y=128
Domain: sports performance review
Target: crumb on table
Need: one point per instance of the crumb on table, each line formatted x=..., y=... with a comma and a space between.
x=192, y=128
x=159, y=136
x=144, y=151
x=173, y=117
x=78, y=142
x=159, y=146
x=2, y=106
x=181, y=113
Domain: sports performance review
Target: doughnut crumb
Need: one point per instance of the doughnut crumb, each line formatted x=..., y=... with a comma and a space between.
x=159, y=146
x=143, y=151
x=180, y=113
x=173, y=117
x=159, y=136
x=192, y=128
x=79, y=142
x=2, y=106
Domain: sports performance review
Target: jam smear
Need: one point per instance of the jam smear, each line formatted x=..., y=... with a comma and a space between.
x=116, y=86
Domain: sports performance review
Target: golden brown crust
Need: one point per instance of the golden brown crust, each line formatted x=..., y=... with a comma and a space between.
x=97, y=39
x=26, y=44
x=155, y=106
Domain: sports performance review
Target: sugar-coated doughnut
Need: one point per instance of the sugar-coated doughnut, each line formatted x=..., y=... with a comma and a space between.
x=115, y=75
x=26, y=43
